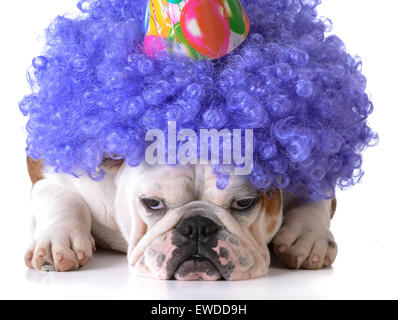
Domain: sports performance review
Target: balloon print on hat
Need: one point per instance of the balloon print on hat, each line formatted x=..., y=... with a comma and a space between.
x=205, y=25
x=196, y=28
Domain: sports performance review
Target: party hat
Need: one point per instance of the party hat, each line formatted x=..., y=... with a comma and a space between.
x=195, y=28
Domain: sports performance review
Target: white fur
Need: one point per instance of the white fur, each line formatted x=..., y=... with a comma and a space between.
x=67, y=210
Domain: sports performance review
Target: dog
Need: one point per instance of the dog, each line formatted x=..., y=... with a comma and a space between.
x=174, y=223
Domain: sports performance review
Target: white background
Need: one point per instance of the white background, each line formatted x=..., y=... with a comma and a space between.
x=365, y=225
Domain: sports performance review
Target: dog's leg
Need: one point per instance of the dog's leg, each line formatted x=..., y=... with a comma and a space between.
x=61, y=239
x=304, y=240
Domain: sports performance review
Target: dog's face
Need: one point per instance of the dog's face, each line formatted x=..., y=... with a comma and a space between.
x=179, y=225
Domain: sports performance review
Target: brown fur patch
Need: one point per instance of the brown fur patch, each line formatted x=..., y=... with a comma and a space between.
x=333, y=208
x=35, y=169
x=271, y=227
x=111, y=165
x=272, y=202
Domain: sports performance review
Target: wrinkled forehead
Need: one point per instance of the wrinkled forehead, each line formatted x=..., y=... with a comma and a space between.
x=197, y=179
x=156, y=180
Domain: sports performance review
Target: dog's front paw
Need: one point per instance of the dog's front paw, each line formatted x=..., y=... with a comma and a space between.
x=60, y=249
x=306, y=248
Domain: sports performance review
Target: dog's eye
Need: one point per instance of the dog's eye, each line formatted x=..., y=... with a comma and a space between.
x=243, y=204
x=153, y=204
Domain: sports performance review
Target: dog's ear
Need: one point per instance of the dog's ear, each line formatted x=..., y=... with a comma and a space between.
x=35, y=169
x=270, y=216
x=110, y=165
x=333, y=208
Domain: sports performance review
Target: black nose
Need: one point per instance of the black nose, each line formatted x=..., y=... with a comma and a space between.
x=197, y=228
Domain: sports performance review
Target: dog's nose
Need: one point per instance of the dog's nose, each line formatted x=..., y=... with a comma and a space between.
x=197, y=228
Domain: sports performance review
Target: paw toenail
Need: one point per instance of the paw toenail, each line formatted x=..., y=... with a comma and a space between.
x=80, y=255
x=29, y=256
x=59, y=256
x=327, y=261
x=315, y=259
x=299, y=260
x=41, y=253
x=282, y=248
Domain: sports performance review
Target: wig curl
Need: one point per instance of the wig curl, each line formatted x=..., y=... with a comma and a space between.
x=95, y=94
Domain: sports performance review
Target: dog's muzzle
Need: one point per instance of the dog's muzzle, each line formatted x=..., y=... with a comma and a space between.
x=202, y=245
x=195, y=258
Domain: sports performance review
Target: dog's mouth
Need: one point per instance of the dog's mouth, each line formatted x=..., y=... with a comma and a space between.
x=197, y=268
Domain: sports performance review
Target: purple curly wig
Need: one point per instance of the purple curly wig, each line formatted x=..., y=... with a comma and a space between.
x=96, y=94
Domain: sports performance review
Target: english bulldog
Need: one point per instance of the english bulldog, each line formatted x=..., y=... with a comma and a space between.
x=174, y=223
